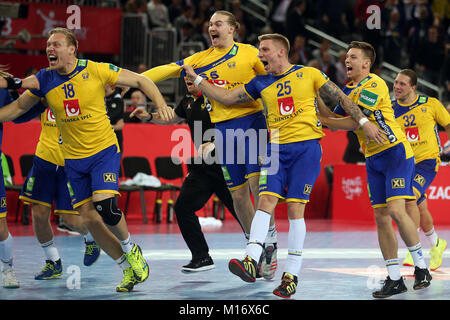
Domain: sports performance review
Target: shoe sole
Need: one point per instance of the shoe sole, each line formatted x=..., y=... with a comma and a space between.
x=13, y=286
x=277, y=293
x=423, y=286
x=189, y=270
x=49, y=278
x=239, y=271
x=123, y=289
x=408, y=265
x=387, y=295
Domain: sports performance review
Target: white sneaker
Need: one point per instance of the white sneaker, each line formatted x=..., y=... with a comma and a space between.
x=9, y=278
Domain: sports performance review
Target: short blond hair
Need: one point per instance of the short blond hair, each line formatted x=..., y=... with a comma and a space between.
x=277, y=37
x=70, y=36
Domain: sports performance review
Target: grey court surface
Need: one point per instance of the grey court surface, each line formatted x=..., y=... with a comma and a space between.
x=340, y=264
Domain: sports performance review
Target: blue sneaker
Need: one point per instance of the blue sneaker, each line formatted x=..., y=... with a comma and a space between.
x=92, y=253
x=51, y=270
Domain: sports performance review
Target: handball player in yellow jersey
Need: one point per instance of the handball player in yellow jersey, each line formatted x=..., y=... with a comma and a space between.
x=418, y=115
x=75, y=91
x=241, y=130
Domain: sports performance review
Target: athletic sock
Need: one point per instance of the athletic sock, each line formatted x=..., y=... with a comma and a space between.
x=6, y=252
x=123, y=262
x=432, y=237
x=88, y=237
x=127, y=244
x=417, y=255
x=50, y=250
x=296, y=239
x=393, y=268
x=258, y=232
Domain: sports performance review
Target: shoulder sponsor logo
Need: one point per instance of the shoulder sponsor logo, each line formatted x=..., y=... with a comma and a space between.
x=113, y=67
x=263, y=177
x=368, y=98
x=398, y=183
x=82, y=62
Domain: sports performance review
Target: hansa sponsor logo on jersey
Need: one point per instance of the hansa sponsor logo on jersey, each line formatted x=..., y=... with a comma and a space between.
x=412, y=134
x=50, y=115
x=72, y=108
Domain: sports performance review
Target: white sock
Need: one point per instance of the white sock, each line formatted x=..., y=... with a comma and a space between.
x=50, y=251
x=123, y=263
x=6, y=252
x=258, y=232
x=127, y=244
x=271, y=235
x=432, y=237
x=296, y=239
x=417, y=255
x=393, y=268
x=88, y=237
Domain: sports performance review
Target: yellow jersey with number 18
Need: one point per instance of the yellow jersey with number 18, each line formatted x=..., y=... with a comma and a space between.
x=229, y=68
x=77, y=100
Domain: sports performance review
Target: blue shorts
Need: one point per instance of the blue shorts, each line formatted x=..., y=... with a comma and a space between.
x=292, y=170
x=389, y=176
x=47, y=182
x=425, y=173
x=2, y=195
x=240, y=143
x=95, y=174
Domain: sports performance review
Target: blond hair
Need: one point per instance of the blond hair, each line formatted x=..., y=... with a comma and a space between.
x=231, y=19
x=70, y=37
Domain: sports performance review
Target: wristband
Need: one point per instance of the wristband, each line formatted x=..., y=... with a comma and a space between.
x=198, y=80
x=362, y=121
x=13, y=83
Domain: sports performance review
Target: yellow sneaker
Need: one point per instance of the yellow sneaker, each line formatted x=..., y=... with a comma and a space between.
x=128, y=281
x=409, y=262
x=436, y=253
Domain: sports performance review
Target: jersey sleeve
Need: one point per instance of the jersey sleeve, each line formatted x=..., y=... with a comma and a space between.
x=441, y=114
x=252, y=90
x=164, y=72
x=319, y=78
x=41, y=78
x=371, y=95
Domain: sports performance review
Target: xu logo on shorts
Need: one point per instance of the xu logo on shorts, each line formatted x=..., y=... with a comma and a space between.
x=109, y=177
x=398, y=183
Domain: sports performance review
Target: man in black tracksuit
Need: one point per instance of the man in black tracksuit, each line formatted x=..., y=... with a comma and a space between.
x=203, y=179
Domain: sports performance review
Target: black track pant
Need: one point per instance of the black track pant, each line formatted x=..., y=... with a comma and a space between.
x=201, y=182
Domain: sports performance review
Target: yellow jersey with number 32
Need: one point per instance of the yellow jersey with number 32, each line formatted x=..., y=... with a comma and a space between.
x=418, y=121
x=77, y=100
x=227, y=68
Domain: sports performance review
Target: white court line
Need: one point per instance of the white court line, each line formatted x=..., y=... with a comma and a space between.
x=326, y=253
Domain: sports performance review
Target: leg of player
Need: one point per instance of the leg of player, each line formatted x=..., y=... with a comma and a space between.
x=437, y=244
x=92, y=249
x=44, y=234
x=414, y=214
x=243, y=206
x=246, y=269
x=106, y=205
x=296, y=239
x=6, y=242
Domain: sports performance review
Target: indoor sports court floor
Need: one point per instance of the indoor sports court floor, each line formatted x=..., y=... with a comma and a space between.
x=341, y=262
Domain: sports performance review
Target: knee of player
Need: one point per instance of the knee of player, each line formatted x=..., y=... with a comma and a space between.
x=109, y=211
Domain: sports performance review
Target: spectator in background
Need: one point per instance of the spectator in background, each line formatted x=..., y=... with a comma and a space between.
x=393, y=42
x=422, y=20
x=446, y=95
x=158, y=14
x=30, y=71
x=324, y=46
x=327, y=65
x=300, y=54
x=187, y=15
x=332, y=17
x=175, y=9
x=115, y=111
x=138, y=100
x=278, y=16
x=295, y=20
x=205, y=39
x=341, y=70
x=142, y=67
x=430, y=56
x=136, y=6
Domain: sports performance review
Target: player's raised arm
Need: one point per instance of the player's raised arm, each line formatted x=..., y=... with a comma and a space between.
x=331, y=92
x=132, y=79
x=225, y=96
